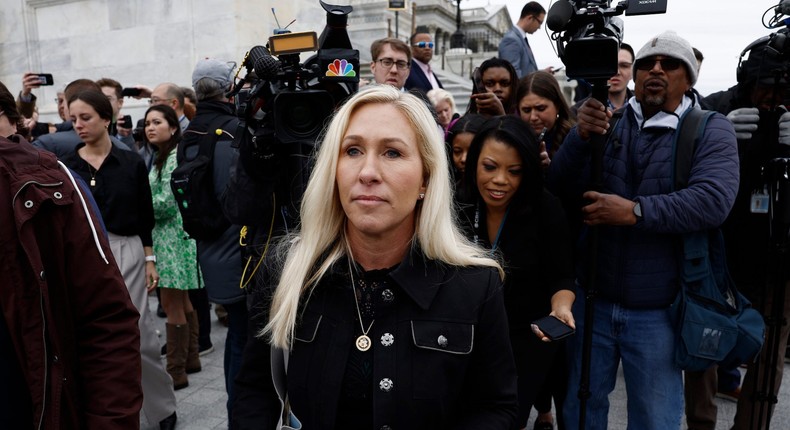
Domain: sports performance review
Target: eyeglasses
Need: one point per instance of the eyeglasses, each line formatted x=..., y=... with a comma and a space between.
x=490, y=83
x=388, y=62
x=423, y=44
x=667, y=64
x=157, y=101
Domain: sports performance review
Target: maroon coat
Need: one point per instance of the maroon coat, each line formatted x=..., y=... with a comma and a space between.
x=68, y=312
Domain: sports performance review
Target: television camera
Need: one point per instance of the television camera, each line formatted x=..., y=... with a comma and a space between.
x=588, y=33
x=284, y=104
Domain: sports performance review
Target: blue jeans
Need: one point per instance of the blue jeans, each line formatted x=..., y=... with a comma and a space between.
x=644, y=341
x=234, y=346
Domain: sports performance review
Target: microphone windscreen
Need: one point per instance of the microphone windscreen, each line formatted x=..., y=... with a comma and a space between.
x=559, y=15
x=263, y=63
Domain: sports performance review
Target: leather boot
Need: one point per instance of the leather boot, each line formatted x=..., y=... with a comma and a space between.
x=168, y=423
x=177, y=344
x=193, y=357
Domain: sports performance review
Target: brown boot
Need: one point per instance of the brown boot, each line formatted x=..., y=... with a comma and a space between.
x=177, y=344
x=193, y=357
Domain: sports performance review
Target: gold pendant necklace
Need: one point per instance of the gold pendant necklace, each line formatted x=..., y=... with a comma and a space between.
x=93, y=175
x=363, y=342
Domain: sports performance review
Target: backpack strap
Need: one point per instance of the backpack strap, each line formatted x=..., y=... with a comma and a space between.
x=616, y=117
x=690, y=130
x=207, y=141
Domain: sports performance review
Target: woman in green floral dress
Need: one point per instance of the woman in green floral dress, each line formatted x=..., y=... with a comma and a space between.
x=176, y=253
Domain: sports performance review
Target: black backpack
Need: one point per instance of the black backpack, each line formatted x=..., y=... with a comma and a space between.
x=192, y=183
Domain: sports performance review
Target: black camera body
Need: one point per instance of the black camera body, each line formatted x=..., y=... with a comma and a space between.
x=284, y=105
x=588, y=33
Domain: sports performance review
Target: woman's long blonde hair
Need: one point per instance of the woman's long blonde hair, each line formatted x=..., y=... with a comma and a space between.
x=322, y=218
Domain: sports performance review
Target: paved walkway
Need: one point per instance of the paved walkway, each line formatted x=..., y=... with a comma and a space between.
x=201, y=406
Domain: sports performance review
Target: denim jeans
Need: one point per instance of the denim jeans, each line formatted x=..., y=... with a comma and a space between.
x=643, y=339
x=234, y=346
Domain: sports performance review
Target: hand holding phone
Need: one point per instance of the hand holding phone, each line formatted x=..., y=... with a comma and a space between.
x=552, y=328
x=125, y=122
x=131, y=92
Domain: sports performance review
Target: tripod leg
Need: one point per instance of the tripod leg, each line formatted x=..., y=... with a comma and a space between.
x=764, y=375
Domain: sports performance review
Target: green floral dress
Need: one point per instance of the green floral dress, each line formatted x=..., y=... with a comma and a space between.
x=176, y=254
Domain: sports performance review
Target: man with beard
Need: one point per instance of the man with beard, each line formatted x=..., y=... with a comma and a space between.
x=640, y=220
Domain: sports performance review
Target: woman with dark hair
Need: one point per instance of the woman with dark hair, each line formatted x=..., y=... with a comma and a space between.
x=118, y=180
x=11, y=122
x=517, y=219
x=177, y=254
x=543, y=107
x=494, y=90
x=459, y=137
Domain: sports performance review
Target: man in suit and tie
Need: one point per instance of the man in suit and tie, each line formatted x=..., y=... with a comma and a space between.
x=421, y=77
x=514, y=46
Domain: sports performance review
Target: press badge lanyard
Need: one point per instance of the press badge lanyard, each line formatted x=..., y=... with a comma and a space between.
x=499, y=231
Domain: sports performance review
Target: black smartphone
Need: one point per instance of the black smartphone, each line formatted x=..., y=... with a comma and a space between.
x=45, y=79
x=127, y=122
x=477, y=82
x=131, y=92
x=553, y=328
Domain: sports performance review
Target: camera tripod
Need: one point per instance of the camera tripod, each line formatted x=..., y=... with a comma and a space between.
x=764, y=399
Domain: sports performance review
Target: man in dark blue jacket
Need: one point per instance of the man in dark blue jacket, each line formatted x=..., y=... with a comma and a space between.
x=220, y=259
x=639, y=219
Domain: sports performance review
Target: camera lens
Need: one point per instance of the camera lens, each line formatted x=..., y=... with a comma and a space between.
x=300, y=119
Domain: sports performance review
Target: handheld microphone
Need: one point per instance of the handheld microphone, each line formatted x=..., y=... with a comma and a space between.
x=559, y=15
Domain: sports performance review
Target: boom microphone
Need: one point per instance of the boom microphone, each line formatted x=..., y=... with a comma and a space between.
x=263, y=64
x=559, y=15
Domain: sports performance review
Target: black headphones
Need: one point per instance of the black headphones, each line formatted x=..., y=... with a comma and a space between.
x=740, y=73
x=775, y=43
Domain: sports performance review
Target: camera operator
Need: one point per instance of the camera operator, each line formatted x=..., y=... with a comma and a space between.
x=639, y=219
x=762, y=81
x=219, y=258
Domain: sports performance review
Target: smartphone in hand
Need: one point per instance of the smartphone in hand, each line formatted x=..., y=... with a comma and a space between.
x=553, y=328
x=131, y=92
x=45, y=79
x=127, y=122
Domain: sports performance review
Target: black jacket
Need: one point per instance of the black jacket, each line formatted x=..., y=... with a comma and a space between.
x=747, y=234
x=470, y=383
x=418, y=81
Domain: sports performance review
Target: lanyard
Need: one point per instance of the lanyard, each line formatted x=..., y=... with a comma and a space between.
x=499, y=231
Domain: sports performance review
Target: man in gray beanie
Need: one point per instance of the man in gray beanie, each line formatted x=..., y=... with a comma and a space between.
x=639, y=219
x=214, y=124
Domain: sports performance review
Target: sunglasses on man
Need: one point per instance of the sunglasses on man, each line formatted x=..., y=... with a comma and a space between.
x=666, y=63
x=423, y=44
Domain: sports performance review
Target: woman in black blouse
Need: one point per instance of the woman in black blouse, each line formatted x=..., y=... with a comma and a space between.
x=518, y=220
x=118, y=180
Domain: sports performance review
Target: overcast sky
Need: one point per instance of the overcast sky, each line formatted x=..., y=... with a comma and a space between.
x=721, y=29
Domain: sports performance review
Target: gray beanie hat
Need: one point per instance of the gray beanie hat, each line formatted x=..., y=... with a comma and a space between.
x=219, y=71
x=671, y=45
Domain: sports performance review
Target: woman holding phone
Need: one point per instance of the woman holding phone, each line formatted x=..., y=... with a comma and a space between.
x=513, y=216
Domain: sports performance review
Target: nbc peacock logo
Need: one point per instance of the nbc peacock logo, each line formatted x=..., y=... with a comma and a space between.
x=340, y=68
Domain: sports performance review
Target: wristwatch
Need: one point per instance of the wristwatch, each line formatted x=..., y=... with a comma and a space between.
x=638, y=210
x=151, y=258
